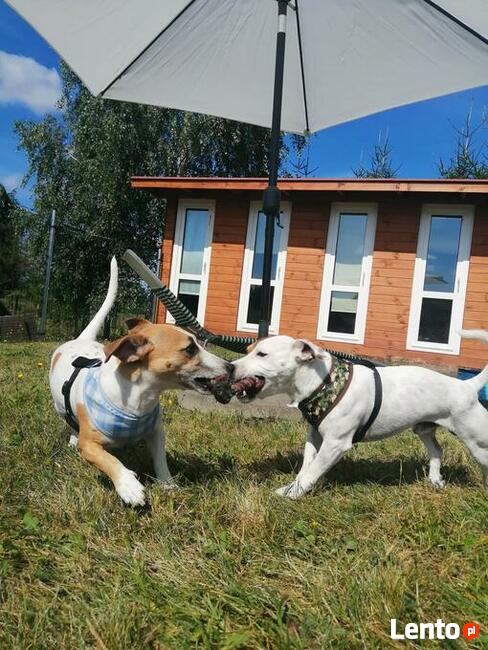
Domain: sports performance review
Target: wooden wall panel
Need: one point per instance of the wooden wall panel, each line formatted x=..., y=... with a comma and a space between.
x=230, y=227
x=167, y=252
x=304, y=266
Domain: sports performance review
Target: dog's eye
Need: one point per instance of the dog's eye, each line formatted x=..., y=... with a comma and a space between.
x=261, y=354
x=191, y=349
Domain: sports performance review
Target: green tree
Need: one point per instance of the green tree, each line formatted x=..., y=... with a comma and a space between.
x=470, y=159
x=380, y=164
x=10, y=258
x=81, y=161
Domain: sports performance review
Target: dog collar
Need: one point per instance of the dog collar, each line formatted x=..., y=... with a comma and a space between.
x=330, y=392
x=111, y=420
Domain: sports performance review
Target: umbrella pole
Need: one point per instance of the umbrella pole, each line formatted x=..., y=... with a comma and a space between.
x=271, y=195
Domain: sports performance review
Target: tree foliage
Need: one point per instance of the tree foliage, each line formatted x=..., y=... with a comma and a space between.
x=380, y=163
x=470, y=157
x=299, y=162
x=81, y=160
x=10, y=255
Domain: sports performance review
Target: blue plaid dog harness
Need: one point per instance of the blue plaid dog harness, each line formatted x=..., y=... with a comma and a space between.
x=108, y=418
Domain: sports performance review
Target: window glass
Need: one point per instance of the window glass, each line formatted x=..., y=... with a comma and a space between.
x=194, y=239
x=435, y=320
x=442, y=253
x=189, y=294
x=350, y=249
x=342, y=313
x=257, y=265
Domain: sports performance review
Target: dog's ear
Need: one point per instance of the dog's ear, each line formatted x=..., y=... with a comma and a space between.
x=128, y=349
x=135, y=323
x=306, y=350
x=251, y=347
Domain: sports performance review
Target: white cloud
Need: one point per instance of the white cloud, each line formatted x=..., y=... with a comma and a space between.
x=11, y=181
x=25, y=81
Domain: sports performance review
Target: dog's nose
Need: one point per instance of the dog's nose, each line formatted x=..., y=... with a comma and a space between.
x=230, y=369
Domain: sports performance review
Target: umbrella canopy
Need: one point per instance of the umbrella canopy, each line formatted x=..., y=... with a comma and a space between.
x=344, y=58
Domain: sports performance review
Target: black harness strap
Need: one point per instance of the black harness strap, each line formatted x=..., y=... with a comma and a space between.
x=79, y=363
x=378, y=398
x=320, y=403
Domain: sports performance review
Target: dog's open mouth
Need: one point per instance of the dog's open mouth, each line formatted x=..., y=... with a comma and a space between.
x=247, y=388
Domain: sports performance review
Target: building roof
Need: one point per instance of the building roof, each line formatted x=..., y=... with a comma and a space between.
x=182, y=183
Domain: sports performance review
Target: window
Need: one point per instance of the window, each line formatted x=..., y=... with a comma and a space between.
x=191, y=255
x=252, y=272
x=440, y=278
x=347, y=272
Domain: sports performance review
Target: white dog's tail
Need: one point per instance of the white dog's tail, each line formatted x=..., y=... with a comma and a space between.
x=91, y=330
x=481, y=335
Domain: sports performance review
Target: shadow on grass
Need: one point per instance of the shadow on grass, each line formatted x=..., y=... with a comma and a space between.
x=193, y=469
x=189, y=467
x=349, y=471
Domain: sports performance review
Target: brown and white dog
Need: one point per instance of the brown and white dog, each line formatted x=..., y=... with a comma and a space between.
x=136, y=369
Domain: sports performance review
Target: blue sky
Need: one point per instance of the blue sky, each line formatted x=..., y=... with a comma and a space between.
x=419, y=134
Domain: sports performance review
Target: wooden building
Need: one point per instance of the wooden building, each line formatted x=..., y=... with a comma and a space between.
x=390, y=269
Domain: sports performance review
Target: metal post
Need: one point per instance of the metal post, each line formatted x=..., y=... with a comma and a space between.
x=271, y=196
x=158, y=273
x=47, y=277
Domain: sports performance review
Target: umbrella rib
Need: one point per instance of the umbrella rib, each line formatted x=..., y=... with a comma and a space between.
x=143, y=51
x=302, y=70
x=455, y=19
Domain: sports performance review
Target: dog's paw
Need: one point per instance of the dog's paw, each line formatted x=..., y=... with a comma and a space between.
x=168, y=484
x=129, y=488
x=73, y=441
x=292, y=491
x=438, y=482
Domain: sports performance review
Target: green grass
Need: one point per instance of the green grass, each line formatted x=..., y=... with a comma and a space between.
x=223, y=563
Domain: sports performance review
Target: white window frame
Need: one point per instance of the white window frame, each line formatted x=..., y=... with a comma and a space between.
x=175, y=275
x=246, y=280
x=328, y=286
x=458, y=296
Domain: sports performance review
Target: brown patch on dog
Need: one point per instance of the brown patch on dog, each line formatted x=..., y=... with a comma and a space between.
x=160, y=348
x=251, y=347
x=91, y=444
x=55, y=359
x=133, y=324
x=129, y=349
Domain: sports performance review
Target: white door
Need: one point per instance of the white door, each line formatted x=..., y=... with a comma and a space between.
x=347, y=272
x=252, y=271
x=191, y=255
x=440, y=278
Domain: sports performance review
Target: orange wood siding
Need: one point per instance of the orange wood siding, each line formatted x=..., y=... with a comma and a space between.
x=224, y=283
x=304, y=267
x=167, y=252
x=391, y=278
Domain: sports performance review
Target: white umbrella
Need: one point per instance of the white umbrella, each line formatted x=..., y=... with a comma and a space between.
x=344, y=59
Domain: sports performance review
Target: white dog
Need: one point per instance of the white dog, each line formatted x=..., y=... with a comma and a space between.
x=115, y=397
x=412, y=397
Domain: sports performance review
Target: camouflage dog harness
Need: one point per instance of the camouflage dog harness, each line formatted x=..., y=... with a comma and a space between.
x=330, y=392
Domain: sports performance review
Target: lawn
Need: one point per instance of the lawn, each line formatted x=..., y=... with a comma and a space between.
x=223, y=563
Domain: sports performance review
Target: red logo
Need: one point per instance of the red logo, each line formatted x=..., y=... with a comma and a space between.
x=471, y=630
